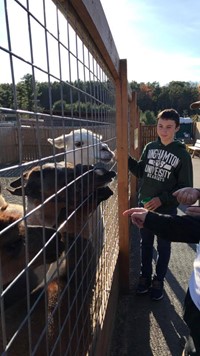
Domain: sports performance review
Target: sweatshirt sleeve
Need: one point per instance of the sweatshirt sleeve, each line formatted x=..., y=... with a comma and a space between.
x=184, y=175
x=137, y=167
x=174, y=228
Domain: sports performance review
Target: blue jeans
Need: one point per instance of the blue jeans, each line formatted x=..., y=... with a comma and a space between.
x=163, y=254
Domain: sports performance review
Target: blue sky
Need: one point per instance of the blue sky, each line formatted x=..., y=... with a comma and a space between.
x=159, y=38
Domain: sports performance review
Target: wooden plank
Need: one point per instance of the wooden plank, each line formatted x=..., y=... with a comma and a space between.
x=134, y=144
x=148, y=133
x=122, y=160
x=93, y=17
x=8, y=145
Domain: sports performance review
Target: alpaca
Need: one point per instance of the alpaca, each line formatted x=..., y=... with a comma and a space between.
x=40, y=183
x=63, y=322
x=60, y=199
x=83, y=146
x=37, y=271
x=13, y=245
x=59, y=312
x=21, y=249
x=61, y=188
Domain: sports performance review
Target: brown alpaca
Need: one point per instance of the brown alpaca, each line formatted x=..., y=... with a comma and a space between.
x=60, y=309
x=13, y=241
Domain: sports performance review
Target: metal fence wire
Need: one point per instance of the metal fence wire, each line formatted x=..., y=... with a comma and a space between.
x=58, y=179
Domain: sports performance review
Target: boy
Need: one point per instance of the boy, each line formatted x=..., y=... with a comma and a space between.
x=164, y=167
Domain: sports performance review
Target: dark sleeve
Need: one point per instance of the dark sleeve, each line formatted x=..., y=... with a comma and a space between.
x=174, y=228
x=137, y=167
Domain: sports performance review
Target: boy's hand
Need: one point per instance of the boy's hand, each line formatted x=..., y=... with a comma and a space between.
x=138, y=215
x=187, y=196
x=153, y=204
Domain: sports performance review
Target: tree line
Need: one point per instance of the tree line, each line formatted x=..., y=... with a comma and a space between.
x=78, y=97
x=153, y=98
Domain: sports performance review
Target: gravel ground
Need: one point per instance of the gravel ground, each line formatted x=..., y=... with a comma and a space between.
x=148, y=328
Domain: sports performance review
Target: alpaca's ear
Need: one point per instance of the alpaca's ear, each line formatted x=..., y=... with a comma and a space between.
x=50, y=140
x=59, y=142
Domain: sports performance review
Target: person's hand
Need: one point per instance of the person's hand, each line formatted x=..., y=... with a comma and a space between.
x=187, y=196
x=153, y=204
x=193, y=211
x=138, y=215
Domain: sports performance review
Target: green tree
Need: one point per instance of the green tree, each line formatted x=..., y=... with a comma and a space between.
x=6, y=95
x=28, y=94
x=78, y=98
x=148, y=117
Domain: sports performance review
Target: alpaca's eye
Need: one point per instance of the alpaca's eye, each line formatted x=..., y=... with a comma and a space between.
x=78, y=144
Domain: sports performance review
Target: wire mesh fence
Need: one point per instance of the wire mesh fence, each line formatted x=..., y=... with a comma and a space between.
x=59, y=238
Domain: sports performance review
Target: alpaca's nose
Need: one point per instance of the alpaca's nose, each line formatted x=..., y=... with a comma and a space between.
x=104, y=147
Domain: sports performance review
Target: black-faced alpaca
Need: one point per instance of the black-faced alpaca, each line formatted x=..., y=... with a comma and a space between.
x=69, y=288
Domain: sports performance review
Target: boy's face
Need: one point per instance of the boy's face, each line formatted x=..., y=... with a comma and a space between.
x=166, y=130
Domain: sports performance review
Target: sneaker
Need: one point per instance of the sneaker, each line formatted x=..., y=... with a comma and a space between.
x=189, y=347
x=157, y=290
x=143, y=285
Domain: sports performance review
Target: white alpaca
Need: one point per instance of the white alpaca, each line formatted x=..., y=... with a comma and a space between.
x=83, y=146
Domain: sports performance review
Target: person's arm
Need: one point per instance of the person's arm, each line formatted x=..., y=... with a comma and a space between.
x=173, y=228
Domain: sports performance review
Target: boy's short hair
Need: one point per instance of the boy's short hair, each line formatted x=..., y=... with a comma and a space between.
x=170, y=114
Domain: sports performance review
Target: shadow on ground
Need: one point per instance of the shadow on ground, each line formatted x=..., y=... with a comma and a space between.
x=144, y=327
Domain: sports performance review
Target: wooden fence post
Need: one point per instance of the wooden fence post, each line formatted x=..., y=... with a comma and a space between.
x=134, y=138
x=122, y=160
